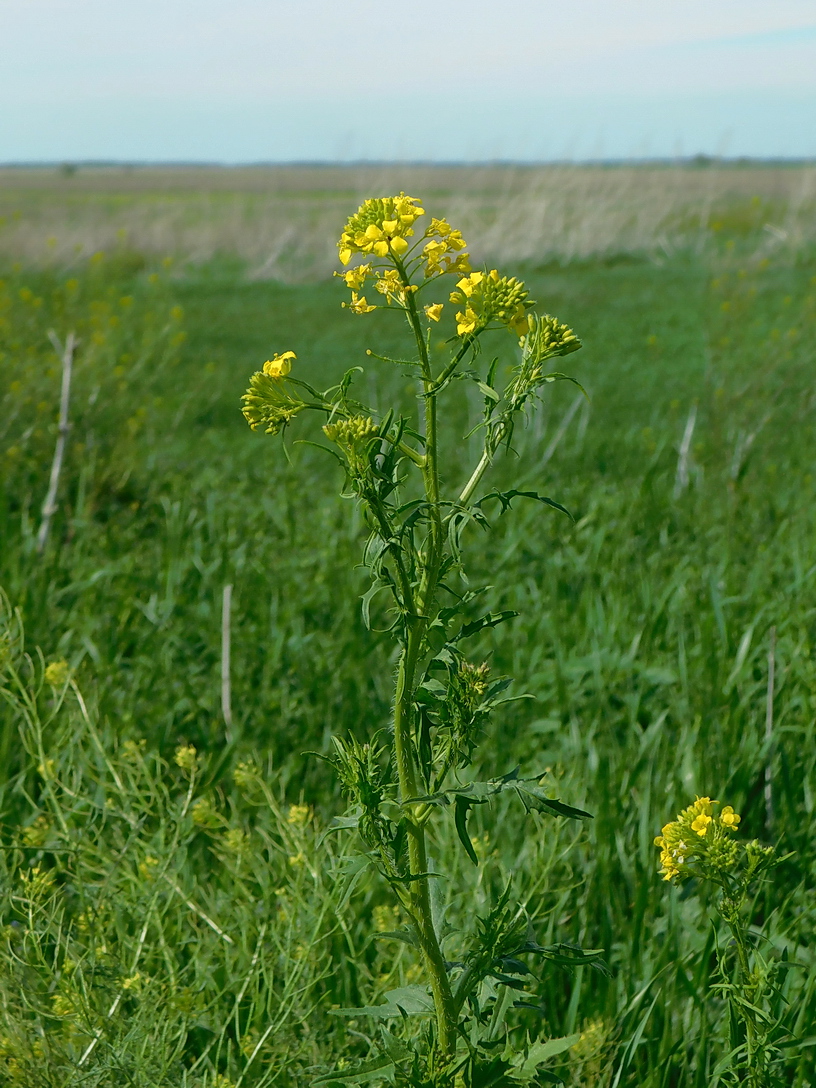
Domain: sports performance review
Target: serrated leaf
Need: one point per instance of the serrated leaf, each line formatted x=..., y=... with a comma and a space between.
x=492, y=619
x=404, y=1001
x=404, y=935
x=506, y=499
x=534, y=799
x=359, y=1074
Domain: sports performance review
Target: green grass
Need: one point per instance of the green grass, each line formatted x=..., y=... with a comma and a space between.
x=643, y=635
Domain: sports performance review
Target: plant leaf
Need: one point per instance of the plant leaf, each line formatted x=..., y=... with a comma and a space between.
x=405, y=1001
x=462, y=806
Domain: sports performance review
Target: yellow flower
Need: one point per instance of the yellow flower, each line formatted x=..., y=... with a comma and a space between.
x=356, y=277
x=279, y=365
x=700, y=824
x=56, y=674
x=468, y=285
x=729, y=818
x=298, y=815
x=466, y=322
x=186, y=758
x=438, y=226
x=434, y=312
x=359, y=305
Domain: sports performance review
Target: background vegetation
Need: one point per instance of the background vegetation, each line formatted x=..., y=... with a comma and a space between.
x=185, y=922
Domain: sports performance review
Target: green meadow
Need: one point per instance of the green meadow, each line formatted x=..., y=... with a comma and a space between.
x=188, y=921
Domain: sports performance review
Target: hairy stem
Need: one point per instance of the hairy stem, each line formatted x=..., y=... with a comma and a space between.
x=403, y=711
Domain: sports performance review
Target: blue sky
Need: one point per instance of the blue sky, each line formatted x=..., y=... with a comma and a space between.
x=264, y=80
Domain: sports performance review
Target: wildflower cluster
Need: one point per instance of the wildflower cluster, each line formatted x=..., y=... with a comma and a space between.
x=698, y=841
x=489, y=297
x=380, y=229
x=438, y=253
x=56, y=674
x=380, y=226
x=270, y=402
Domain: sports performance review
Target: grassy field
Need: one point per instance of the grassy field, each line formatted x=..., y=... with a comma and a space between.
x=170, y=924
x=281, y=221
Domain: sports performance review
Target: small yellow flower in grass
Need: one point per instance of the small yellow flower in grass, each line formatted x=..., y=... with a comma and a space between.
x=133, y=749
x=62, y=1005
x=729, y=818
x=245, y=775
x=386, y=918
x=36, y=834
x=298, y=815
x=186, y=758
x=147, y=867
x=205, y=814
x=56, y=674
x=237, y=841
x=434, y=312
x=279, y=365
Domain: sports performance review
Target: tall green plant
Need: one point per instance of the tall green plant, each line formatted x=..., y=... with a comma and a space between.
x=700, y=844
x=399, y=781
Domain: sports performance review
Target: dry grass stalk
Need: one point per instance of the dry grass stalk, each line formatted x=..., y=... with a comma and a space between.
x=281, y=219
x=66, y=351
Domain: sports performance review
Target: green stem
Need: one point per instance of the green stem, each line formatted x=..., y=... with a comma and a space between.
x=403, y=711
x=473, y=482
x=754, y=1074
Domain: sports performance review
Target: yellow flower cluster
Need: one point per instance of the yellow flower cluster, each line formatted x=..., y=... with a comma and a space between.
x=390, y=285
x=380, y=226
x=698, y=834
x=56, y=674
x=438, y=252
x=298, y=815
x=388, y=282
x=548, y=336
x=269, y=401
x=186, y=758
x=353, y=436
x=473, y=678
x=486, y=297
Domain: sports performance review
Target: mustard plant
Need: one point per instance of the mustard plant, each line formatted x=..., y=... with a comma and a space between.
x=700, y=844
x=399, y=780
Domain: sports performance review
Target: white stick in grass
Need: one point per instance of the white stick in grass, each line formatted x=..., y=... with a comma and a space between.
x=562, y=430
x=769, y=722
x=226, y=687
x=682, y=478
x=50, y=504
